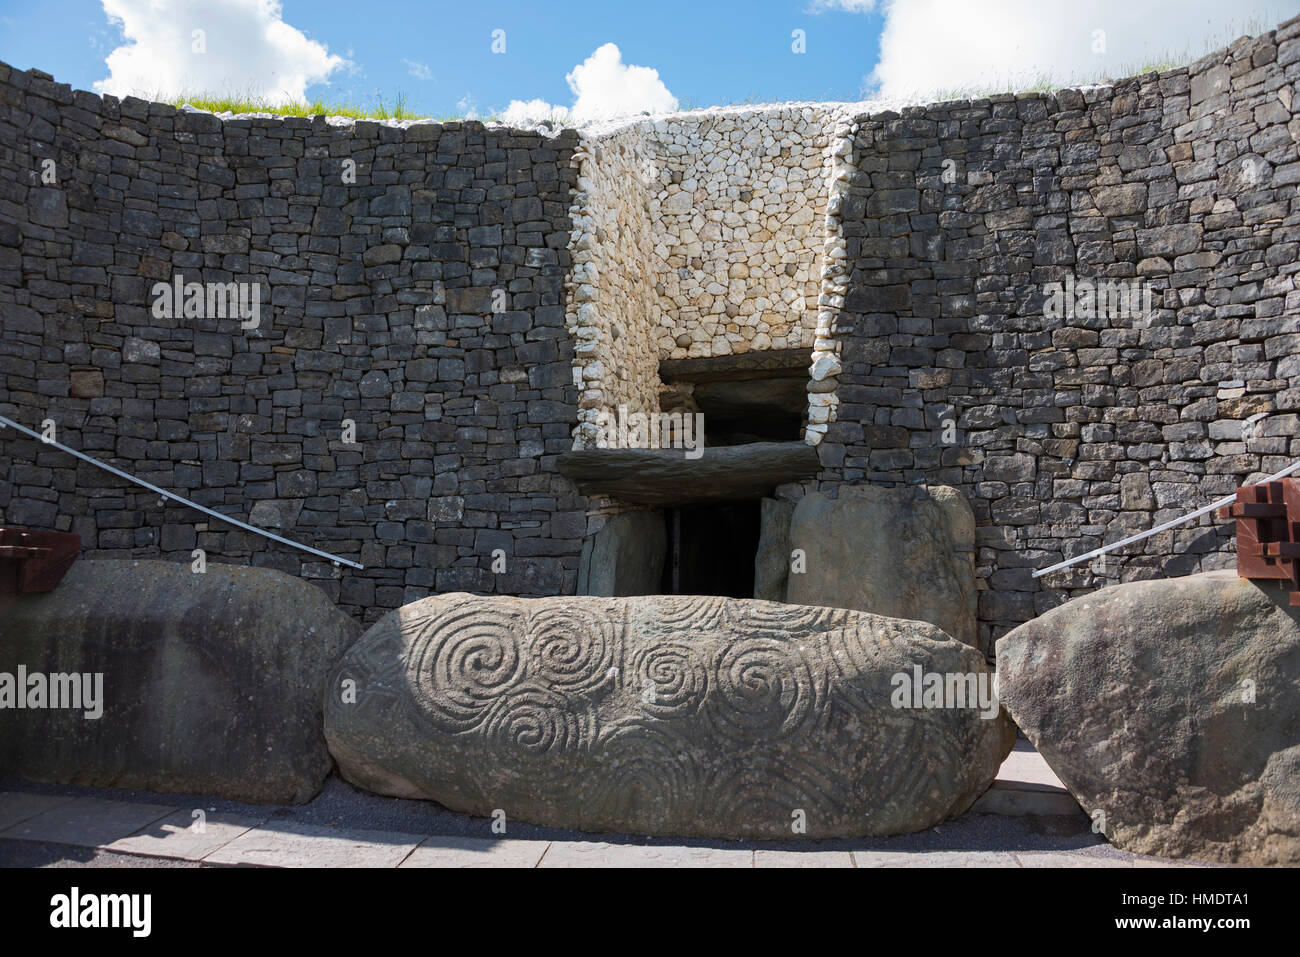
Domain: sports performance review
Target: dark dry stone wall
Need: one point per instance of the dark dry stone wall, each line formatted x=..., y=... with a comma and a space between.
x=425, y=302
x=1063, y=432
x=376, y=306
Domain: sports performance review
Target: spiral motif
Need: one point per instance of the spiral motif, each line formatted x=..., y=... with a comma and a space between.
x=671, y=679
x=857, y=658
x=903, y=762
x=762, y=716
x=461, y=661
x=766, y=689
x=766, y=787
x=533, y=723
x=647, y=778
x=571, y=649
x=769, y=618
x=691, y=613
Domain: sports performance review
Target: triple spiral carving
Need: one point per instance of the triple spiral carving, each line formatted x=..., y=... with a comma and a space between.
x=660, y=710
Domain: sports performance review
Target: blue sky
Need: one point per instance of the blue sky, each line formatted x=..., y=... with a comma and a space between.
x=721, y=57
x=440, y=54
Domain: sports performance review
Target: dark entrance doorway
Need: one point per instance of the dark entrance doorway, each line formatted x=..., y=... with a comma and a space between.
x=711, y=549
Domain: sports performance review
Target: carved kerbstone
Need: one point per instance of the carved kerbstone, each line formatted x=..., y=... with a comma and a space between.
x=665, y=715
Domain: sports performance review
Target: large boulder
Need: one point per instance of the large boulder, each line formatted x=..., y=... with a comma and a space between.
x=625, y=557
x=905, y=552
x=772, y=560
x=211, y=682
x=664, y=715
x=1171, y=710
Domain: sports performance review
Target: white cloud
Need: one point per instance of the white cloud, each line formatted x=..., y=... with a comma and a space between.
x=248, y=50
x=937, y=47
x=350, y=66
x=418, y=70
x=528, y=112
x=604, y=87
x=467, y=107
x=850, y=6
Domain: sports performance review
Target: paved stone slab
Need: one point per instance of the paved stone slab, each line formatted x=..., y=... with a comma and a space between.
x=803, y=859
x=1026, y=785
x=18, y=806
x=87, y=822
x=439, y=851
x=313, y=845
x=1025, y=767
x=176, y=835
x=1066, y=859
x=1010, y=799
x=934, y=859
x=1144, y=861
x=593, y=854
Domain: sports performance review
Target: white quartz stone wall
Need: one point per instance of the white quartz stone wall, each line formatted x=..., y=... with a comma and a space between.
x=823, y=373
x=613, y=307
x=707, y=234
x=740, y=218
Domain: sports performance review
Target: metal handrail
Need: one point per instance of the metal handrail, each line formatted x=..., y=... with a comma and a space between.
x=177, y=498
x=1225, y=501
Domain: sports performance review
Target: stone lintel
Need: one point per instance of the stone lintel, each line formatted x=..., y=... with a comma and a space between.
x=772, y=363
x=667, y=477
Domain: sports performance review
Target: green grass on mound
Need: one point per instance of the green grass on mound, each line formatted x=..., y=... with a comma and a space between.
x=380, y=110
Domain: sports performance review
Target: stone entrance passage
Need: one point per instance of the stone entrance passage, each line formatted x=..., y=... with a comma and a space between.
x=691, y=527
x=711, y=549
x=693, y=523
x=754, y=397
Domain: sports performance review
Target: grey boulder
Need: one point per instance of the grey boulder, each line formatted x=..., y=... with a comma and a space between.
x=1171, y=710
x=772, y=559
x=663, y=715
x=625, y=557
x=905, y=552
x=211, y=682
